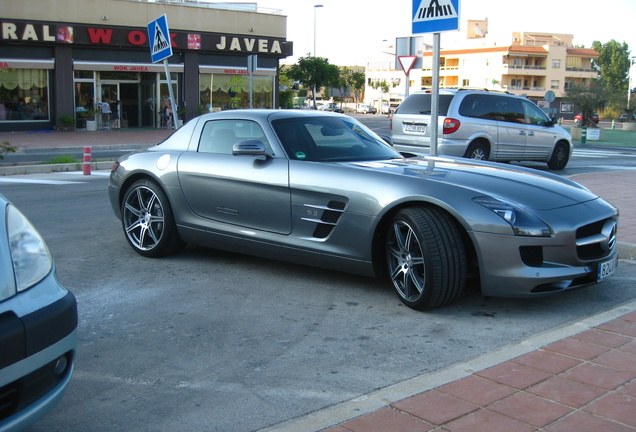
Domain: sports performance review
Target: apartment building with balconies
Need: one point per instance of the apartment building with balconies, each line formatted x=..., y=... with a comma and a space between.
x=528, y=64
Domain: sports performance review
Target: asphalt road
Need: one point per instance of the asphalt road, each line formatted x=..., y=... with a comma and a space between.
x=212, y=341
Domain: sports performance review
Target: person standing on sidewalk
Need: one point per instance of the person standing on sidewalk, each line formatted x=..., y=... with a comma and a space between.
x=114, y=109
x=105, y=110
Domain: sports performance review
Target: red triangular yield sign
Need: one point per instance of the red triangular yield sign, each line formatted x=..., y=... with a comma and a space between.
x=407, y=63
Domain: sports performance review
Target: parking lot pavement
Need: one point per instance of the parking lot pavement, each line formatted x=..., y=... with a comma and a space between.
x=578, y=378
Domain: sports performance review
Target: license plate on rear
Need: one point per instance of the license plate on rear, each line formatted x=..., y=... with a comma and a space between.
x=606, y=269
x=415, y=128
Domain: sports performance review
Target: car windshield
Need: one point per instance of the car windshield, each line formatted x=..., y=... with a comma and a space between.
x=326, y=139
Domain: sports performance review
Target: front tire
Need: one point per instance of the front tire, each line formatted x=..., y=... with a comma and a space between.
x=560, y=156
x=426, y=258
x=148, y=221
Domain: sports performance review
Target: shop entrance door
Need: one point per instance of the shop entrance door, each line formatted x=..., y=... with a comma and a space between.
x=148, y=103
x=129, y=96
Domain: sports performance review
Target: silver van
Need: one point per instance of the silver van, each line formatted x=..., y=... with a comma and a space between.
x=481, y=124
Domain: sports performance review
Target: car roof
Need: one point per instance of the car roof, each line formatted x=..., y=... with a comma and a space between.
x=455, y=91
x=267, y=114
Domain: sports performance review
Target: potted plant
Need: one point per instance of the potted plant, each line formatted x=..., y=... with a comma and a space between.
x=67, y=123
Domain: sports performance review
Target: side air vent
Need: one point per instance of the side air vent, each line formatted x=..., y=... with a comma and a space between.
x=329, y=217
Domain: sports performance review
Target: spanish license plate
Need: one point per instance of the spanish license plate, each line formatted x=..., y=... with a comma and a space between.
x=414, y=128
x=606, y=269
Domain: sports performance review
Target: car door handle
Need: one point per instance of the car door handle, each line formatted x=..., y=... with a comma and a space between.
x=522, y=132
x=530, y=133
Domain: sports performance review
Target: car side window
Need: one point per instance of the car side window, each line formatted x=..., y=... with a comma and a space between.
x=478, y=106
x=219, y=136
x=534, y=114
x=510, y=110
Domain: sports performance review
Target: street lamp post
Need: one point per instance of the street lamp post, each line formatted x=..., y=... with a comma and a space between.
x=315, y=8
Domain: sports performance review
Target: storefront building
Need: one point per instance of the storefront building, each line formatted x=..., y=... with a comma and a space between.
x=61, y=58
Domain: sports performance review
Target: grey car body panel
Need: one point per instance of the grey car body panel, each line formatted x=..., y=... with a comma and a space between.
x=284, y=199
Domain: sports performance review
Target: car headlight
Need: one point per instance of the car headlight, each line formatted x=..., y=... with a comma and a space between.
x=29, y=254
x=522, y=221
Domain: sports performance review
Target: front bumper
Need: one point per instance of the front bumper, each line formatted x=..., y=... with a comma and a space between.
x=38, y=352
x=505, y=274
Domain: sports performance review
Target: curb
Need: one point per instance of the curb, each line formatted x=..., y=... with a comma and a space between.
x=50, y=168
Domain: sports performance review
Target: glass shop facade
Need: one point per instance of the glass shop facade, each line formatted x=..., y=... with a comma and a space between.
x=50, y=70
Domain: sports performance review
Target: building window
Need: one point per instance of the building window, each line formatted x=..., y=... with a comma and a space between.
x=554, y=84
x=466, y=83
x=556, y=63
x=516, y=83
x=24, y=94
x=226, y=91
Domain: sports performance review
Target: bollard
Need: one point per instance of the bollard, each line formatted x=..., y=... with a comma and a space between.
x=584, y=135
x=86, y=167
x=613, y=124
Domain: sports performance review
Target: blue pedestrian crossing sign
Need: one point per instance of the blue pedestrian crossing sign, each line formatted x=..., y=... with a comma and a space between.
x=159, y=39
x=434, y=16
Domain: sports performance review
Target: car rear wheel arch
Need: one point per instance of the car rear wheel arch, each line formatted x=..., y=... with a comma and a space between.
x=479, y=148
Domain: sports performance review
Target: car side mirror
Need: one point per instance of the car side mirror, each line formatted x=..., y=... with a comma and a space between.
x=249, y=147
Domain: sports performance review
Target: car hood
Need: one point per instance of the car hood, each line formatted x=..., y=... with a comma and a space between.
x=537, y=189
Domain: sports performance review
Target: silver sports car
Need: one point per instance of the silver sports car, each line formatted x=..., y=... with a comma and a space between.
x=321, y=189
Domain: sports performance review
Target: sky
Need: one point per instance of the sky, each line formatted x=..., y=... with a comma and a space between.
x=351, y=32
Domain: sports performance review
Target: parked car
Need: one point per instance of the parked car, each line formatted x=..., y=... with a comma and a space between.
x=38, y=321
x=365, y=109
x=321, y=189
x=331, y=107
x=481, y=125
x=579, y=118
x=623, y=117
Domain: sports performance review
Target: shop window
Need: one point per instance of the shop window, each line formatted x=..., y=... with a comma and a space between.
x=224, y=91
x=24, y=95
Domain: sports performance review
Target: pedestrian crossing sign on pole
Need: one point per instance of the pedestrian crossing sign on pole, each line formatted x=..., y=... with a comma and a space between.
x=434, y=16
x=159, y=39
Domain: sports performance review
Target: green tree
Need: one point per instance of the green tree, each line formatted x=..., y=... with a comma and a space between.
x=314, y=73
x=588, y=99
x=613, y=65
x=357, y=84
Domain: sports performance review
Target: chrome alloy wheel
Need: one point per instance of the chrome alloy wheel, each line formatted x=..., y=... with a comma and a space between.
x=143, y=218
x=406, y=261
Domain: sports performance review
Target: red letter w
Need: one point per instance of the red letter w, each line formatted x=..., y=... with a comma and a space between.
x=100, y=35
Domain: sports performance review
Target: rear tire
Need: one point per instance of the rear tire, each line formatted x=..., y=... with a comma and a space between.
x=477, y=150
x=426, y=258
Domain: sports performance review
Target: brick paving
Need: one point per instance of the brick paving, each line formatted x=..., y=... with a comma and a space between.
x=585, y=382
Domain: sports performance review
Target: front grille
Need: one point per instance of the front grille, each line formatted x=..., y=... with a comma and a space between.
x=596, y=240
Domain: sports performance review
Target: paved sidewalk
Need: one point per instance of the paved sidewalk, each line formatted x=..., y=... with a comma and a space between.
x=575, y=379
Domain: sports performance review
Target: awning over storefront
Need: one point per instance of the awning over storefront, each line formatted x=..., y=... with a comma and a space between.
x=26, y=64
x=125, y=67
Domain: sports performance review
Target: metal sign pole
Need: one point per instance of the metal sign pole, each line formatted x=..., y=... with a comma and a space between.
x=435, y=96
x=170, y=92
